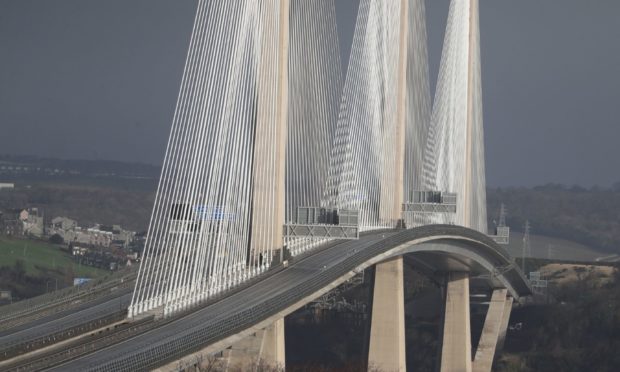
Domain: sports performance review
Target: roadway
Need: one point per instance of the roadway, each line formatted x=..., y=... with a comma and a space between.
x=58, y=322
x=256, y=303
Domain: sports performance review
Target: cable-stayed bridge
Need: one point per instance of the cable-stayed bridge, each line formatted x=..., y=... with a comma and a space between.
x=284, y=177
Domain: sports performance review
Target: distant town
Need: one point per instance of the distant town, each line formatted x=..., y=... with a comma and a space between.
x=103, y=246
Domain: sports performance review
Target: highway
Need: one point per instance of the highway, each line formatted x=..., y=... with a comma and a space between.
x=256, y=303
x=58, y=322
x=110, y=301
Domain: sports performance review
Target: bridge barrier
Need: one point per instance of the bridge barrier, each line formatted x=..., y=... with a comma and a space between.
x=18, y=348
x=37, y=307
x=95, y=341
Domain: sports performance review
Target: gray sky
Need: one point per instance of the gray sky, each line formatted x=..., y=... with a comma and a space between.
x=98, y=79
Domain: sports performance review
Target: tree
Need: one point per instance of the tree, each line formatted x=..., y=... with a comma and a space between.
x=19, y=267
x=57, y=239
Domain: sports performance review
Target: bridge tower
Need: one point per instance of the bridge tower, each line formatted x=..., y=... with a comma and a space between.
x=269, y=176
x=387, y=334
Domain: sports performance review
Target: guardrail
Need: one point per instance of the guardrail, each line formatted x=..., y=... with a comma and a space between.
x=77, y=348
x=18, y=348
x=28, y=310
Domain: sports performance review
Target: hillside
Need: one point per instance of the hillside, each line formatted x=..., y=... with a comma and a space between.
x=587, y=216
x=30, y=267
x=123, y=193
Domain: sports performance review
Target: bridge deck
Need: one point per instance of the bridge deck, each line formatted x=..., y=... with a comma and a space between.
x=252, y=305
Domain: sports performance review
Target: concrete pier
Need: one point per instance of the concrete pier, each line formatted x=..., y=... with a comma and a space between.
x=273, y=348
x=387, y=330
x=504, y=326
x=456, y=349
x=485, y=352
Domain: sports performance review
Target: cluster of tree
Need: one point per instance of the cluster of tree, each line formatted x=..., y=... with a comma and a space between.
x=24, y=285
x=218, y=364
x=579, y=332
x=587, y=216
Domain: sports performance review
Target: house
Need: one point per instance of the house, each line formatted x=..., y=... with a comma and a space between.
x=33, y=224
x=79, y=251
x=63, y=224
x=11, y=223
x=23, y=215
x=5, y=297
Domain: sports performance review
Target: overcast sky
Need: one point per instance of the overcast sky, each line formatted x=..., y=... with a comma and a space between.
x=98, y=79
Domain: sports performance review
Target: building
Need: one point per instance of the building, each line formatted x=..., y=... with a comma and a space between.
x=63, y=224
x=11, y=223
x=79, y=251
x=4, y=185
x=5, y=297
x=33, y=222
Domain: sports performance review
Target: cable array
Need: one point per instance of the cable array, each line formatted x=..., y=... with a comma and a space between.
x=361, y=171
x=221, y=149
x=419, y=142
x=265, y=124
x=315, y=88
x=456, y=142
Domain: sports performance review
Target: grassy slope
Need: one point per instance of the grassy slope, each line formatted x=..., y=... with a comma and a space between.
x=39, y=257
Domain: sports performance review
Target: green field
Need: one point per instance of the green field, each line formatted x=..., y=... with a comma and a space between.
x=40, y=258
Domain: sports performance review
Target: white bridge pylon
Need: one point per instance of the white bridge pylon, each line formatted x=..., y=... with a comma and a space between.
x=266, y=122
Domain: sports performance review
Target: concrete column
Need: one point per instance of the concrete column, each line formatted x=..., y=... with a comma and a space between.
x=282, y=128
x=504, y=326
x=273, y=349
x=472, y=50
x=387, y=330
x=485, y=352
x=271, y=123
x=401, y=109
x=244, y=354
x=392, y=184
x=456, y=348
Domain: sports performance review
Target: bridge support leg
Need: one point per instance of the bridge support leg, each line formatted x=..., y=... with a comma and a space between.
x=456, y=349
x=485, y=352
x=272, y=350
x=263, y=348
x=244, y=354
x=504, y=326
x=387, y=330
x=271, y=130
